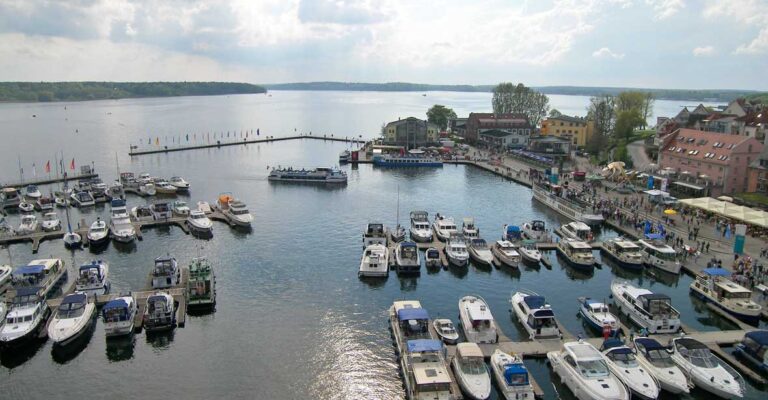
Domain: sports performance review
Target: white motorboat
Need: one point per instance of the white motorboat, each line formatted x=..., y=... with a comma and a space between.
x=199, y=222
x=374, y=233
x=420, y=229
x=624, y=252
x=752, y=349
x=344, y=156
x=583, y=369
x=204, y=206
x=511, y=233
x=145, y=177
x=511, y=376
x=712, y=285
x=444, y=227
x=121, y=228
x=408, y=321
x=180, y=207
x=147, y=189
x=116, y=191
x=705, y=370
x=407, y=258
x=658, y=254
x=82, y=199
x=535, y=230
x=238, y=214
x=25, y=318
x=142, y=214
x=160, y=211
x=179, y=183
x=529, y=252
x=623, y=364
x=33, y=193
x=468, y=229
x=535, y=315
x=398, y=234
x=26, y=207
x=160, y=313
x=163, y=187
x=506, y=252
x=658, y=362
x=165, y=273
x=578, y=254
x=576, y=230
x=479, y=251
x=72, y=319
x=51, y=222
x=445, y=330
x=98, y=233
x=44, y=204
x=432, y=258
x=456, y=251
x=597, y=316
x=60, y=198
x=477, y=321
x=72, y=239
x=375, y=261
x=93, y=278
x=28, y=224
x=10, y=197
x=47, y=274
x=652, y=311
x=471, y=372
x=118, y=316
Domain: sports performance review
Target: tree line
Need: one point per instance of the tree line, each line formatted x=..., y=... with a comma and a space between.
x=76, y=91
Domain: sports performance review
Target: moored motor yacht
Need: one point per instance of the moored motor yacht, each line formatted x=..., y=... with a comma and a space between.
x=511, y=233
x=120, y=226
x=201, y=286
x=623, y=364
x=456, y=251
x=375, y=261
x=98, y=233
x=179, y=183
x=535, y=230
x=26, y=316
x=165, y=273
x=479, y=251
x=420, y=229
x=407, y=258
x=578, y=254
x=374, y=233
x=712, y=285
x=118, y=316
x=44, y=204
x=432, y=258
x=160, y=210
x=9, y=197
x=535, y=315
x=470, y=370
x=658, y=254
x=238, y=214
x=445, y=330
x=658, y=362
x=163, y=187
x=344, y=157
x=60, y=198
x=444, y=227
x=477, y=321
x=706, y=370
x=28, y=224
x=116, y=191
x=506, y=252
x=180, y=207
x=652, y=311
x=147, y=189
x=204, y=206
x=754, y=349
x=511, y=376
x=425, y=370
x=93, y=278
x=576, y=230
x=33, y=193
x=26, y=207
x=82, y=199
x=582, y=368
x=51, y=222
x=199, y=222
x=160, y=313
x=597, y=316
x=72, y=319
x=468, y=229
x=624, y=252
x=142, y=214
x=46, y=274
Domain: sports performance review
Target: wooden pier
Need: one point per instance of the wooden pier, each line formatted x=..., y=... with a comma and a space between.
x=134, y=151
x=45, y=181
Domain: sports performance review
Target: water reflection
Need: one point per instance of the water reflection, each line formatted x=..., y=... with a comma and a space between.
x=511, y=272
x=161, y=340
x=65, y=354
x=14, y=357
x=373, y=281
x=120, y=348
x=408, y=284
x=459, y=272
x=125, y=248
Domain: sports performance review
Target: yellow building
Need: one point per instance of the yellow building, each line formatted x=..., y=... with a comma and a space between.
x=578, y=130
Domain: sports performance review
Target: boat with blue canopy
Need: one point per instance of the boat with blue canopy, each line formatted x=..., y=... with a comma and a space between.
x=754, y=349
x=511, y=376
x=93, y=278
x=47, y=274
x=425, y=370
x=119, y=315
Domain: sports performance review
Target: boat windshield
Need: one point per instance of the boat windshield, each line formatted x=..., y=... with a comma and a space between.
x=699, y=357
x=473, y=366
x=623, y=359
x=197, y=216
x=240, y=211
x=593, y=368
x=71, y=310
x=433, y=387
x=660, y=358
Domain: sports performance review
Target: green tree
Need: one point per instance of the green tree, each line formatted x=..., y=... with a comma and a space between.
x=601, y=110
x=511, y=98
x=440, y=115
x=626, y=122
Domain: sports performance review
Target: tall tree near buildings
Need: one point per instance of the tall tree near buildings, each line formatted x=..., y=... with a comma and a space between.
x=440, y=115
x=647, y=110
x=601, y=110
x=511, y=98
x=626, y=122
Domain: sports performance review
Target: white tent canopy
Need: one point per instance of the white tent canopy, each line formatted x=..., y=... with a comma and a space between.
x=729, y=210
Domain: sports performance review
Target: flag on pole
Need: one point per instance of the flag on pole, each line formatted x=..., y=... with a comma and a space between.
x=72, y=165
x=48, y=167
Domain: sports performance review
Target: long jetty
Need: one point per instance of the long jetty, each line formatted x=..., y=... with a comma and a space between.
x=135, y=151
x=45, y=181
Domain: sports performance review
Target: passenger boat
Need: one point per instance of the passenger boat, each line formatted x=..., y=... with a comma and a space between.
x=33, y=193
x=445, y=330
x=375, y=261
x=477, y=320
x=535, y=314
x=420, y=229
x=658, y=362
x=160, y=210
x=469, y=230
x=51, y=222
x=238, y=214
x=28, y=224
x=511, y=376
x=408, y=160
x=432, y=256
x=44, y=204
x=712, y=285
x=623, y=364
x=199, y=222
x=179, y=183
x=456, y=251
x=46, y=274
x=142, y=214
x=706, y=370
x=118, y=316
x=180, y=207
x=658, y=254
x=535, y=230
x=93, y=278
x=583, y=369
x=72, y=319
x=652, y=311
x=511, y=233
x=120, y=226
x=162, y=186
x=82, y=199
x=444, y=227
x=624, y=252
x=578, y=254
x=479, y=251
x=26, y=316
x=10, y=197
x=375, y=233
x=407, y=258
x=344, y=156
x=315, y=175
x=551, y=195
x=506, y=253
x=160, y=313
x=529, y=252
x=98, y=233
x=26, y=207
x=471, y=372
x=201, y=286
x=576, y=230
x=597, y=316
x=754, y=349
x=165, y=273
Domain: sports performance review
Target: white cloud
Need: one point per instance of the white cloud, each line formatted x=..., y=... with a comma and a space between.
x=605, y=52
x=745, y=14
x=665, y=8
x=703, y=51
x=757, y=46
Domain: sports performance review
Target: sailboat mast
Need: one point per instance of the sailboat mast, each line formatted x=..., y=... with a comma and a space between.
x=398, y=205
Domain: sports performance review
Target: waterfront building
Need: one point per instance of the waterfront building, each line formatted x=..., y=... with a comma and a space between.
x=551, y=145
x=758, y=174
x=577, y=130
x=458, y=126
x=517, y=125
x=503, y=139
x=410, y=133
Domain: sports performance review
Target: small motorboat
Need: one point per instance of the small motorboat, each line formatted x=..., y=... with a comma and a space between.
x=9, y=197
x=479, y=251
x=506, y=253
x=116, y=191
x=160, y=211
x=469, y=230
x=752, y=348
x=60, y=198
x=407, y=258
x=72, y=240
x=179, y=183
x=535, y=230
x=142, y=214
x=444, y=227
x=164, y=187
x=98, y=233
x=344, y=157
x=179, y=207
x=28, y=224
x=121, y=228
x=44, y=204
x=477, y=321
x=165, y=273
x=93, y=278
x=445, y=330
x=147, y=189
x=26, y=207
x=51, y=222
x=657, y=361
x=33, y=193
x=73, y=317
x=201, y=286
x=25, y=318
x=706, y=370
x=432, y=258
x=375, y=233
x=597, y=316
x=583, y=369
x=420, y=229
x=199, y=222
x=398, y=234
x=204, y=207
x=119, y=315
x=238, y=214
x=577, y=231
x=529, y=252
x=623, y=364
x=456, y=251
x=82, y=199
x=160, y=313
x=511, y=376
x=471, y=372
x=535, y=315
x=375, y=261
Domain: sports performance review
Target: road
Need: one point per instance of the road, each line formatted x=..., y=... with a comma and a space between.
x=639, y=157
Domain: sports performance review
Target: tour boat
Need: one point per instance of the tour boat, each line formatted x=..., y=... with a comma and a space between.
x=420, y=229
x=578, y=254
x=597, y=316
x=28, y=224
x=511, y=376
x=165, y=273
x=25, y=318
x=82, y=199
x=180, y=207
x=576, y=230
x=408, y=160
x=652, y=311
x=118, y=316
x=456, y=251
x=51, y=222
x=98, y=233
x=623, y=364
x=179, y=183
x=10, y=197
x=445, y=330
x=407, y=258
x=47, y=274
x=142, y=214
x=432, y=256
x=582, y=368
x=26, y=207
x=712, y=285
x=120, y=226
x=374, y=233
x=238, y=214
x=160, y=313
x=201, y=286
x=471, y=372
x=315, y=175
x=444, y=227
x=477, y=321
x=705, y=370
x=375, y=261
x=535, y=314
x=535, y=230
x=658, y=254
x=529, y=252
x=511, y=233
x=204, y=206
x=479, y=251
x=44, y=204
x=506, y=253
x=160, y=211
x=72, y=319
x=551, y=196
x=469, y=230
x=754, y=349
x=199, y=222
x=163, y=187
x=624, y=252
x=658, y=362
x=33, y=193
x=93, y=278
x=344, y=157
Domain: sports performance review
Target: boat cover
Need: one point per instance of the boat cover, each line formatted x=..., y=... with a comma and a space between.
x=761, y=337
x=77, y=298
x=117, y=303
x=407, y=244
x=611, y=343
x=29, y=269
x=407, y=314
x=649, y=344
x=716, y=272
x=512, y=229
x=118, y=203
x=515, y=375
x=652, y=236
x=534, y=302
x=654, y=296
x=27, y=291
x=691, y=344
x=92, y=265
x=423, y=345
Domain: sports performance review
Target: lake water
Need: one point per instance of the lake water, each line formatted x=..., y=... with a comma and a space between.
x=293, y=320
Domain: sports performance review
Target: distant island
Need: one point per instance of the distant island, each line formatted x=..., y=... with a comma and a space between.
x=709, y=95
x=78, y=91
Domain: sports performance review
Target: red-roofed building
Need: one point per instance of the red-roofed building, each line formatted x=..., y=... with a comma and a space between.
x=516, y=125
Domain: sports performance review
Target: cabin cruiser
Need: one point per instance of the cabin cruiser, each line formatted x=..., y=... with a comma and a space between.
x=60, y=198
x=597, y=316
x=201, y=286
x=160, y=313
x=408, y=321
x=469, y=230
x=712, y=285
x=511, y=233
x=165, y=273
x=578, y=254
x=456, y=251
x=33, y=193
x=444, y=227
x=407, y=258
x=180, y=207
x=471, y=372
x=147, y=189
x=652, y=311
x=160, y=211
x=118, y=316
x=432, y=258
x=624, y=252
x=477, y=320
x=583, y=369
x=623, y=364
x=179, y=183
x=142, y=214
x=375, y=233
x=529, y=252
x=657, y=361
x=26, y=207
x=10, y=197
x=237, y=213
x=576, y=230
x=99, y=191
x=145, y=177
x=93, y=278
x=445, y=330
x=73, y=317
x=420, y=229
x=44, y=204
x=116, y=191
x=425, y=370
x=754, y=349
x=535, y=315
x=479, y=251
x=658, y=254
x=46, y=274
x=375, y=261
x=28, y=224
x=82, y=199
x=315, y=175
x=511, y=376
x=506, y=253
x=344, y=157
x=120, y=226
x=706, y=370
x=26, y=316
x=535, y=230
x=204, y=206
x=98, y=233
x=51, y=222
x=163, y=187
x=199, y=222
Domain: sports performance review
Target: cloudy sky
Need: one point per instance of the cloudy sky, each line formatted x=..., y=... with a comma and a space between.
x=640, y=43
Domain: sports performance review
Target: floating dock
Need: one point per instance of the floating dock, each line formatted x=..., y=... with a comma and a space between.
x=135, y=151
x=46, y=181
